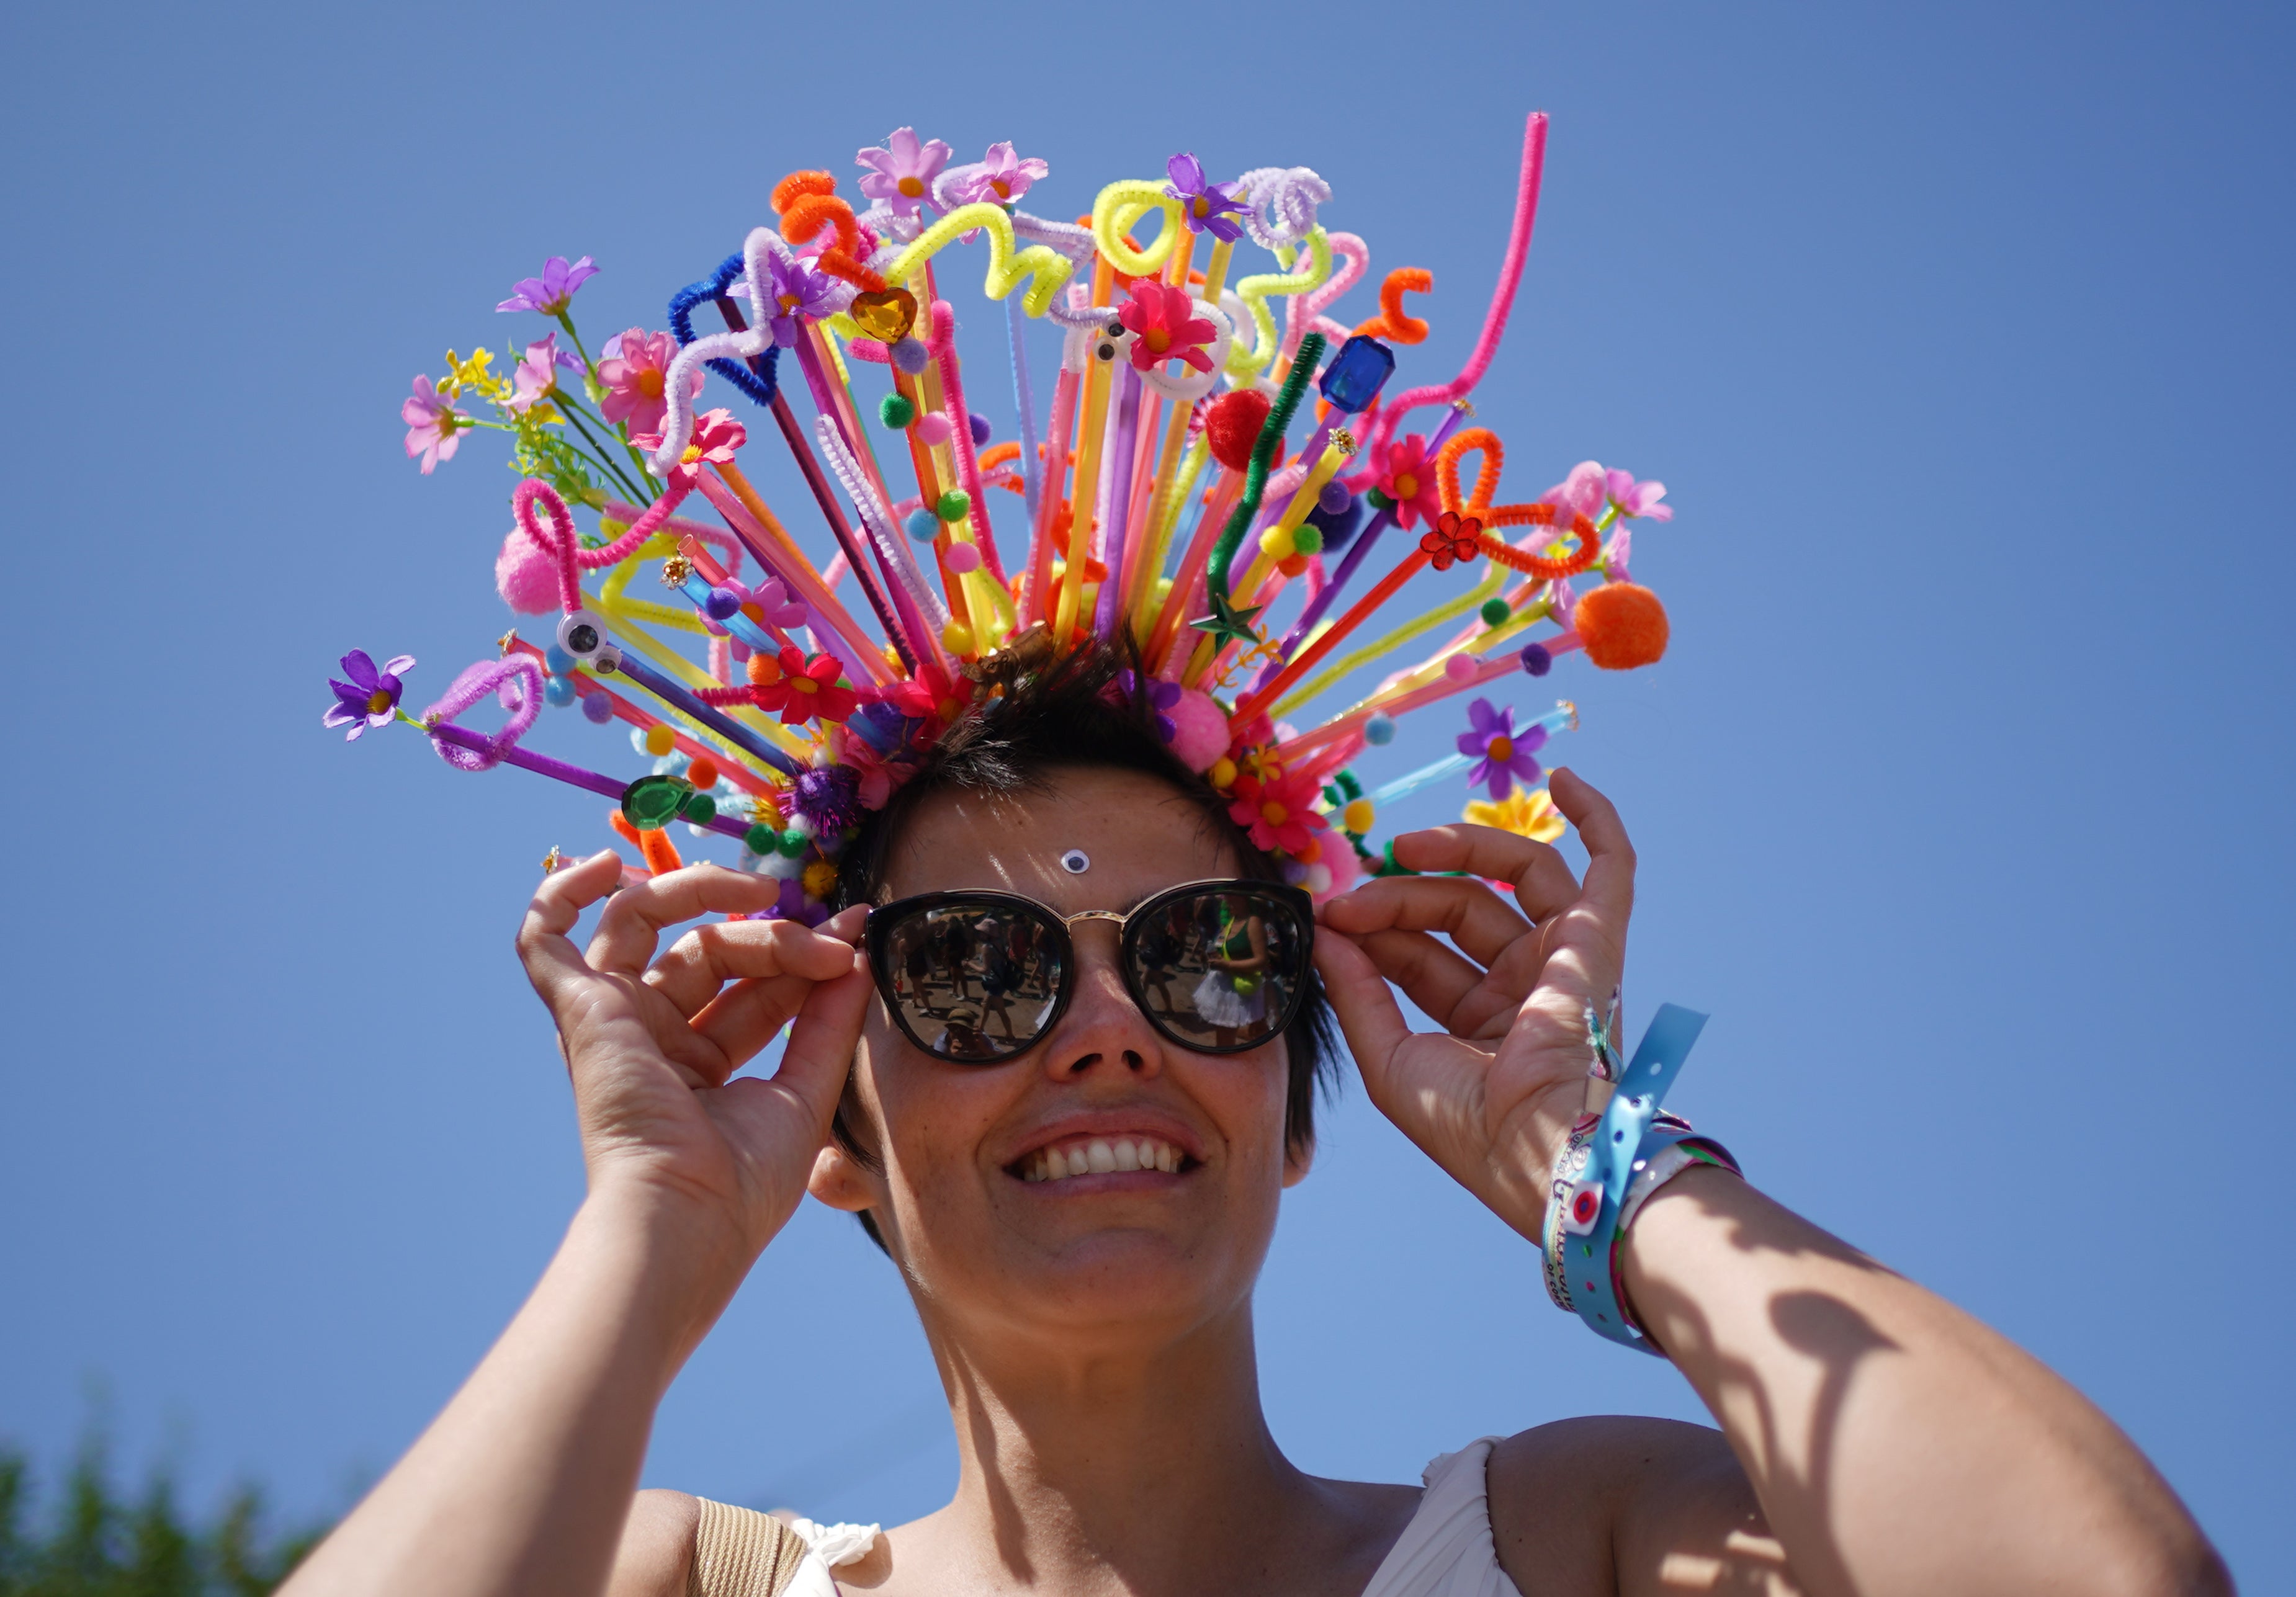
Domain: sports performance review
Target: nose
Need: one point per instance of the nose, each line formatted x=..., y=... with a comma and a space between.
x=1104, y=1032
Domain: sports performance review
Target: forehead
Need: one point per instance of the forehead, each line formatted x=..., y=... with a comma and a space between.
x=1139, y=834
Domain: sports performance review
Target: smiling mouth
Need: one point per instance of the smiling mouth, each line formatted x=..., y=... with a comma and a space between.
x=1100, y=1156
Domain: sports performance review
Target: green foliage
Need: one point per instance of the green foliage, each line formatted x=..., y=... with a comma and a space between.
x=97, y=1542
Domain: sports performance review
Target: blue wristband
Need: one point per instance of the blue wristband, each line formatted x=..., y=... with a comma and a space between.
x=1584, y=1249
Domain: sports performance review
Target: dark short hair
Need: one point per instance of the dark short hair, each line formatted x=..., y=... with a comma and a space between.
x=1083, y=711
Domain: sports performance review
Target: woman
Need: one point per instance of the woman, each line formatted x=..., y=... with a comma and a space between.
x=1091, y=1316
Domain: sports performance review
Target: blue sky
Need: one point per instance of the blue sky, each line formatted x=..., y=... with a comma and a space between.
x=1959, y=334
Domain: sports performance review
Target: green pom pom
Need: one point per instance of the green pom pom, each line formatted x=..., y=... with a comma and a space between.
x=792, y=844
x=1308, y=539
x=953, y=505
x=896, y=411
x=1496, y=612
x=1378, y=501
x=700, y=808
x=760, y=838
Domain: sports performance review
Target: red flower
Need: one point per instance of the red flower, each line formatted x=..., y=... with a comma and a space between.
x=796, y=689
x=912, y=698
x=1279, y=811
x=715, y=437
x=1159, y=315
x=1455, y=539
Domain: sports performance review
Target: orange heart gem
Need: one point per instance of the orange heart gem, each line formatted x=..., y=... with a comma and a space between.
x=886, y=315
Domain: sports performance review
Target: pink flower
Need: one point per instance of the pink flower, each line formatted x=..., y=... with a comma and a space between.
x=1159, y=315
x=1000, y=178
x=1636, y=499
x=1407, y=480
x=537, y=373
x=1582, y=493
x=902, y=174
x=715, y=437
x=636, y=372
x=434, y=427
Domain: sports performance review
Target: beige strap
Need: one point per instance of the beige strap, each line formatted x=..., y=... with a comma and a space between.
x=741, y=1552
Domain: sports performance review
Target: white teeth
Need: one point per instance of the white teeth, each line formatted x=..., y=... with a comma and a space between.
x=1167, y=1158
x=1100, y=1157
x=1079, y=1162
x=1128, y=1157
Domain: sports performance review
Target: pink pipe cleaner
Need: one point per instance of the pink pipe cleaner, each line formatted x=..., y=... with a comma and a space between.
x=960, y=433
x=1303, y=313
x=476, y=682
x=1525, y=212
x=558, y=541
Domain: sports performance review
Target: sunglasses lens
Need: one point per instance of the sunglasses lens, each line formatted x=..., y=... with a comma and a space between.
x=1222, y=971
x=973, y=982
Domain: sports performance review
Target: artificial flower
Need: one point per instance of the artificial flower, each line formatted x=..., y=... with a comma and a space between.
x=1205, y=206
x=434, y=427
x=1161, y=696
x=537, y=373
x=798, y=689
x=1279, y=811
x=715, y=437
x=880, y=773
x=1452, y=539
x=1636, y=499
x=901, y=173
x=1527, y=812
x=551, y=292
x=912, y=698
x=1159, y=316
x=1502, y=754
x=1407, y=479
x=999, y=179
x=371, y=697
x=636, y=372
x=1582, y=493
x=796, y=292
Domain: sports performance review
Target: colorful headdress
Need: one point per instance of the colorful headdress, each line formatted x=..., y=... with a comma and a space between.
x=1164, y=507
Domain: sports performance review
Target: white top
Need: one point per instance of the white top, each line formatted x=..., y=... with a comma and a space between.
x=1446, y=1551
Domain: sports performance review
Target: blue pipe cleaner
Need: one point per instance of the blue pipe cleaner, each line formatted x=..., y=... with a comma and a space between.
x=756, y=380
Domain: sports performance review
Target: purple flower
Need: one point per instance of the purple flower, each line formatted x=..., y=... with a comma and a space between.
x=1000, y=179
x=1502, y=754
x=1204, y=205
x=551, y=292
x=1634, y=499
x=1160, y=697
x=798, y=292
x=371, y=697
x=901, y=174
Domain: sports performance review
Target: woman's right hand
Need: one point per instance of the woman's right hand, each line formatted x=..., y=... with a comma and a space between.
x=651, y=1043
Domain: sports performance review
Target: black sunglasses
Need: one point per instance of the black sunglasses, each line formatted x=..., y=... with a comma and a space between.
x=978, y=978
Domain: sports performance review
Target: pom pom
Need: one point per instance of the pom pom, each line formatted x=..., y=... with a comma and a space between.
x=1222, y=774
x=1232, y=426
x=760, y=839
x=1379, y=732
x=780, y=867
x=910, y=357
x=922, y=525
x=826, y=797
x=896, y=411
x=1359, y=817
x=721, y=604
x=1495, y=612
x=1536, y=660
x=1199, y=731
x=953, y=505
x=659, y=740
x=526, y=575
x=557, y=662
x=700, y=808
x=962, y=558
x=1277, y=542
x=1462, y=667
x=932, y=429
x=1344, y=867
x=820, y=879
x=956, y=637
x=1318, y=879
x=702, y=772
x=1307, y=540
x=1292, y=565
x=979, y=424
x=1622, y=625
x=598, y=708
x=559, y=691
x=1332, y=497
x=1337, y=526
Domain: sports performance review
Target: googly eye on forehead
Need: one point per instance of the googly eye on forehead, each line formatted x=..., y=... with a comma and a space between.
x=1076, y=862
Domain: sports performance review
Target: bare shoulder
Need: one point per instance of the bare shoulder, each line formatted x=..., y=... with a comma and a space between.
x=1619, y=1504
x=656, y=1548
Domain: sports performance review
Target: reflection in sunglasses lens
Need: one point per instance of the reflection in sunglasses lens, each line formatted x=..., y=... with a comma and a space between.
x=974, y=982
x=1221, y=969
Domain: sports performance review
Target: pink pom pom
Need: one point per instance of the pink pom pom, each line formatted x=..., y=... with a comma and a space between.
x=1462, y=667
x=1199, y=730
x=1340, y=859
x=526, y=575
x=962, y=558
x=932, y=429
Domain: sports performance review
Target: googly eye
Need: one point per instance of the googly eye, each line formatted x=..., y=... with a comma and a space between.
x=1076, y=862
x=1583, y=1207
x=1116, y=329
x=1106, y=352
x=580, y=634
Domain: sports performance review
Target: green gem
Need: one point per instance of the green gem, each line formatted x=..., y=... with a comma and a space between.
x=652, y=802
x=760, y=838
x=1496, y=612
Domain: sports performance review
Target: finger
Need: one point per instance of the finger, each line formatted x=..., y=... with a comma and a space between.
x=823, y=1040
x=742, y=1021
x=708, y=957
x=631, y=926
x=1432, y=974
x=1369, y=1017
x=1541, y=879
x=1460, y=907
x=1610, y=886
x=551, y=959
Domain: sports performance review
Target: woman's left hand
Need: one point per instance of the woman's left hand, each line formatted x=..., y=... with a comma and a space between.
x=1490, y=1098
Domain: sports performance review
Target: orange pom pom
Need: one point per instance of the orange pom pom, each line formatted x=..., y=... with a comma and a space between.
x=1622, y=625
x=1292, y=565
x=763, y=669
x=702, y=772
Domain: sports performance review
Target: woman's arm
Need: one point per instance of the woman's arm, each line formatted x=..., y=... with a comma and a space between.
x=523, y=1484
x=1892, y=1442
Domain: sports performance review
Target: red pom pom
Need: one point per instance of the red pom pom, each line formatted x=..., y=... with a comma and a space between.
x=526, y=575
x=704, y=771
x=1233, y=425
x=1622, y=625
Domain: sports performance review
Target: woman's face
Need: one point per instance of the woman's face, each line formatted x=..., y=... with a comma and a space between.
x=1114, y=1257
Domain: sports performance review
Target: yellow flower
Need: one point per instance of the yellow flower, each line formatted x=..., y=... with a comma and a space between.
x=1527, y=812
x=472, y=374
